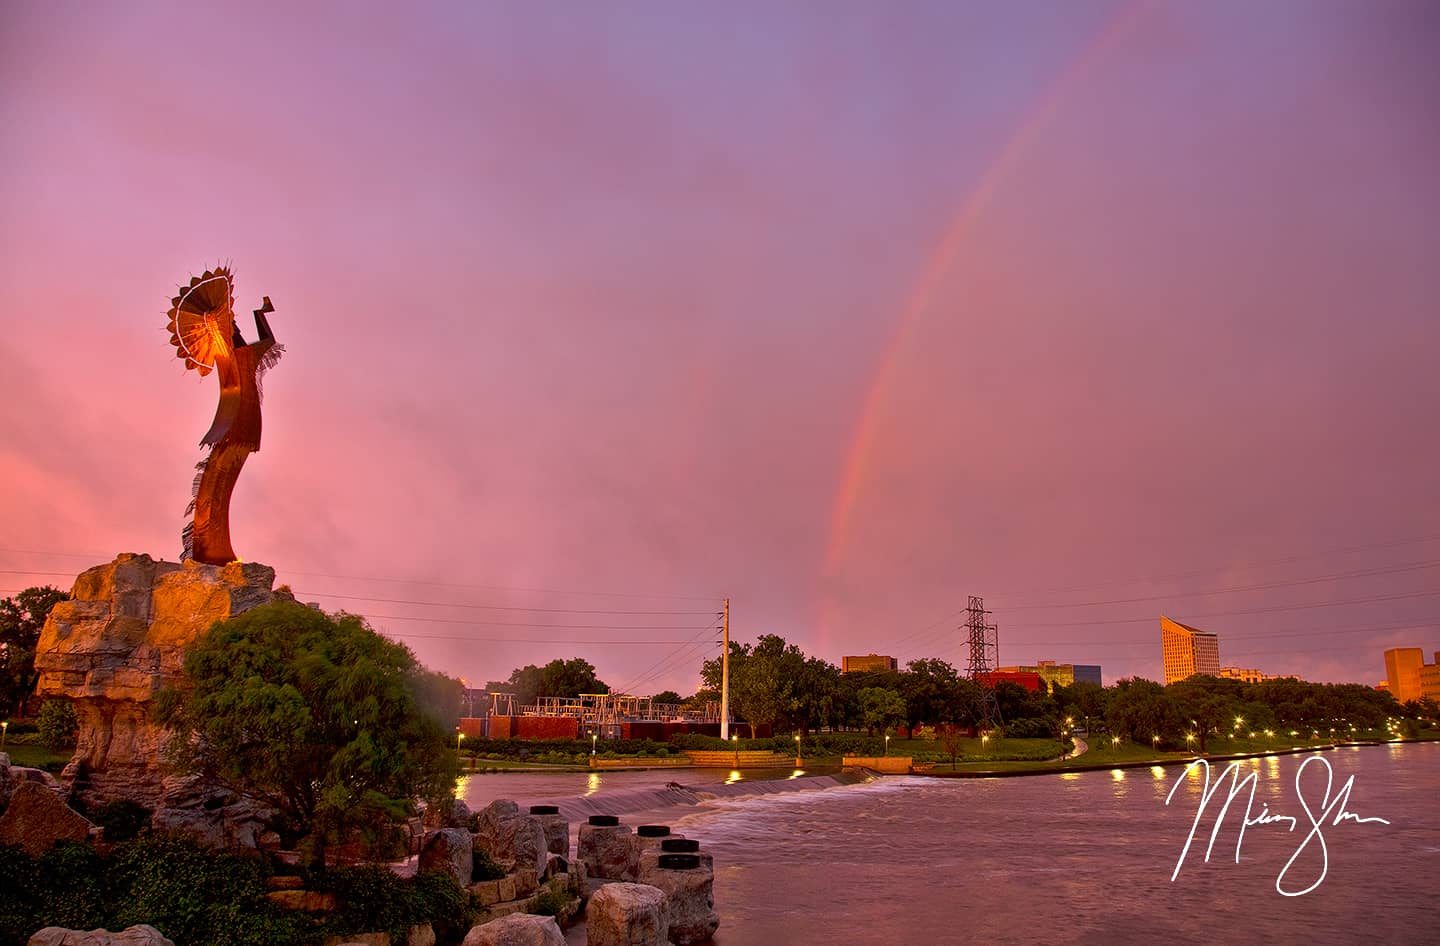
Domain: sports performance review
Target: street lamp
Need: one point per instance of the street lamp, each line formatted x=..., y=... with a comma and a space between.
x=735, y=741
x=1155, y=741
x=797, y=753
x=459, y=737
x=984, y=741
x=1115, y=743
x=4, y=731
x=593, y=739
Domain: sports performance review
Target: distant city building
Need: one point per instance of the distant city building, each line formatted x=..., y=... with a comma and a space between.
x=1188, y=650
x=870, y=663
x=1025, y=678
x=1402, y=672
x=1430, y=680
x=1245, y=675
x=1057, y=673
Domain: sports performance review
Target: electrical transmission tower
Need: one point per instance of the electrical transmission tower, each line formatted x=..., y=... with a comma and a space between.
x=984, y=657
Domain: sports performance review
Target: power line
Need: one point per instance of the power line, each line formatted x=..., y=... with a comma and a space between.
x=382, y=578
x=598, y=627
x=1417, y=540
x=1271, y=610
x=1363, y=573
x=519, y=640
x=488, y=607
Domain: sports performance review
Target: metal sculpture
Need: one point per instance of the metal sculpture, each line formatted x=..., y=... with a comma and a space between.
x=205, y=336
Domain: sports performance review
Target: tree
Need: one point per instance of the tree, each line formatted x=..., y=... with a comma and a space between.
x=813, y=694
x=1142, y=710
x=931, y=689
x=21, y=620
x=330, y=725
x=951, y=739
x=563, y=678
x=1209, y=703
x=666, y=696
x=763, y=685
x=879, y=708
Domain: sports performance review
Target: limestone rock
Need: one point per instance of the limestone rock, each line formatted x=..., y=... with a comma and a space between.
x=309, y=901
x=216, y=817
x=141, y=935
x=626, y=915
x=518, y=929
x=422, y=935
x=527, y=881
x=642, y=847
x=13, y=775
x=451, y=814
x=492, y=814
x=116, y=643
x=689, y=902
x=512, y=840
x=604, y=850
x=450, y=850
x=557, y=833
x=485, y=893
x=36, y=819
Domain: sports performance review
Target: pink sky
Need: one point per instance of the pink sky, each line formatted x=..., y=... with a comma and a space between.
x=844, y=311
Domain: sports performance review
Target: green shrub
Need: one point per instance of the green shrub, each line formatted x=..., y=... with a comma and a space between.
x=369, y=898
x=197, y=896
x=182, y=889
x=484, y=867
x=123, y=820
x=72, y=891
x=553, y=901
x=20, y=908
x=57, y=726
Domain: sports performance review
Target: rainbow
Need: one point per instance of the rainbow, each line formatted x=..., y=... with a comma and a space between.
x=859, y=456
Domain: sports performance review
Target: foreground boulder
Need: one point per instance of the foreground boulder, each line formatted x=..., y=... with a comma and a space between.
x=141, y=935
x=116, y=643
x=512, y=840
x=518, y=929
x=689, y=896
x=627, y=915
x=604, y=848
x=450, y=850
x=13, y=775
x=36, y=820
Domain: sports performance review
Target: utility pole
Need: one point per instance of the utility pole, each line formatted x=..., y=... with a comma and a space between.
x=725, y=677
x=984, y=641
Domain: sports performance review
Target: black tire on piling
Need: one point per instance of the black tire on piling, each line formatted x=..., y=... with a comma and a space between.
x=679, y=845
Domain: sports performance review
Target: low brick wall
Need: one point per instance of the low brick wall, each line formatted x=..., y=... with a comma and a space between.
x=884, y=764
x=645, y=760
x=744, y=759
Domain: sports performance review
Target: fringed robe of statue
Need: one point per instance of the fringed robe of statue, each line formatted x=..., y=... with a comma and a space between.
x=233, y=436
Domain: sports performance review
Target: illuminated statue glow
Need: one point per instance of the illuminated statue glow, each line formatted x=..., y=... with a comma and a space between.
x=205, y=336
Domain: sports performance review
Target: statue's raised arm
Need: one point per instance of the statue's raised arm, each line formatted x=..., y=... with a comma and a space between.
x=204, y=334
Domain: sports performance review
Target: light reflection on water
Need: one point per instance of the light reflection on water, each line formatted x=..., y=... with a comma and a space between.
x=1077, y=860
x=1083, y=860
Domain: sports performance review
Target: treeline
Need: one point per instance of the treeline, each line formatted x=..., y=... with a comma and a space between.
x=774, y=682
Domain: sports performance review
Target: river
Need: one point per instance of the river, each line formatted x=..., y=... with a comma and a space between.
x=1080, y=858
